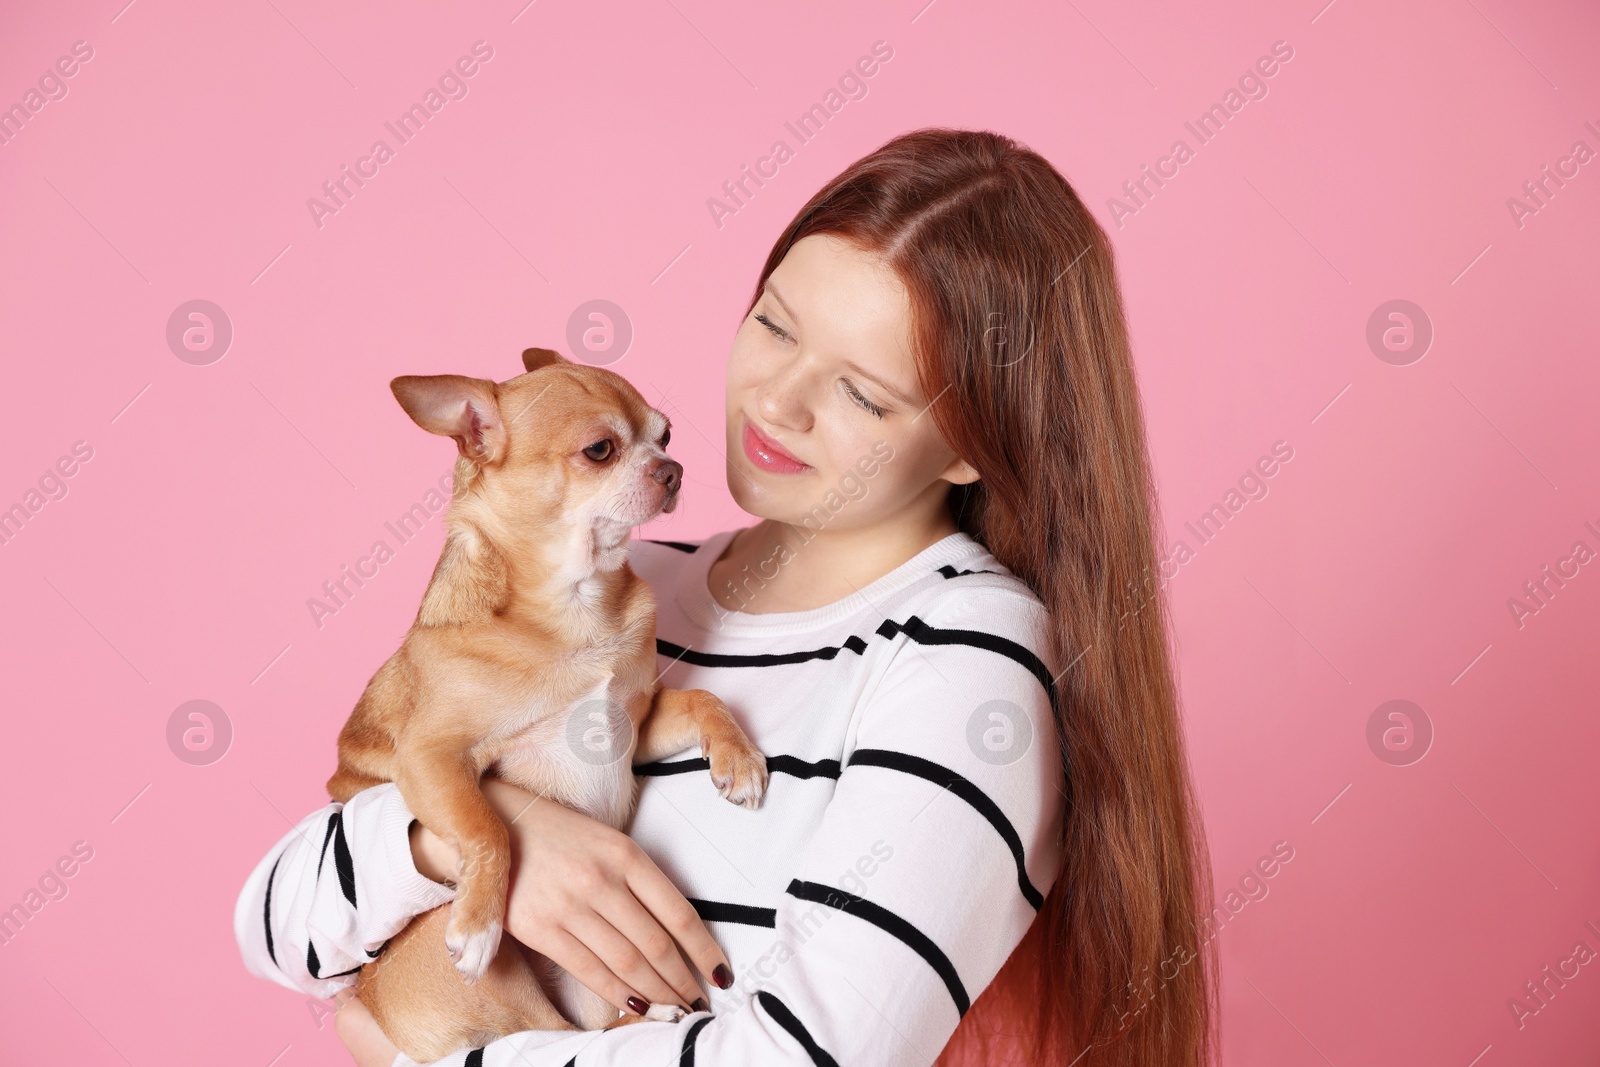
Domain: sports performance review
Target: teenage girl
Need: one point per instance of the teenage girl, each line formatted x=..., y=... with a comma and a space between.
x=947, y=636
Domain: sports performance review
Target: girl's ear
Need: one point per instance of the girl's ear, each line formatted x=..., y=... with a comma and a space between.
x=960, y=472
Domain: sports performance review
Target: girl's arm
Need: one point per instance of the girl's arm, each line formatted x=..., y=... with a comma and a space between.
x=329, y=895
x=331, y=892
x=931, y=861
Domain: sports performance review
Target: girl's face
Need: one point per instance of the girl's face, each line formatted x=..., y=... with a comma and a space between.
x=826, y=425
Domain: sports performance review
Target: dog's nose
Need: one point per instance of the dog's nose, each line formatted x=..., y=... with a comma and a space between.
x=669, y=474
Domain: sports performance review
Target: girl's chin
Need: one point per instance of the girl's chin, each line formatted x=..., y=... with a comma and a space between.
x=775, y=506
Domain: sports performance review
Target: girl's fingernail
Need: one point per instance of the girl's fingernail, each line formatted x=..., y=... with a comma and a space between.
x=637, y=1006
x=700, y=1004
x=722, y=976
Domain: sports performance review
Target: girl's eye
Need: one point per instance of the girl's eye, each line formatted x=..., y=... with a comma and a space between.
x=877, y=411
x=763, y=320
x=599, y=450
x=859, y=399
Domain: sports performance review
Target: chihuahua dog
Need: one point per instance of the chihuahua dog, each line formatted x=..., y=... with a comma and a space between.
x=532, y=658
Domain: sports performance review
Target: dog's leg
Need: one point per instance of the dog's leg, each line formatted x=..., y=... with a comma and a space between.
x=440, y=785
x=347, y=782
x=423, y=1006
x=366, y=747
x=679, y=718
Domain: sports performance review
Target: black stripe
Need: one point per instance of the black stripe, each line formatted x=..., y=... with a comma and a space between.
x=681, y=546
x=313, y=964
x=764, y=659
x=822, y=768
x=923, y=634
x=661, y=769
x=686, y=1054
x=719, y=911
x=785, y=1018
x=267, y=910
x=327, y=835
x=913, y=628
x=892, y=924
x=950, y=572
x=474, y=1058
x=341, y=859
x=962, y=787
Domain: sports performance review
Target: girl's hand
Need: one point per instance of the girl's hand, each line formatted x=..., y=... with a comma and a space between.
x=588, y=898
x=360, y=1032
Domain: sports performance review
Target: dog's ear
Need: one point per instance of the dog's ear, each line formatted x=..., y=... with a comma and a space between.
x=534, y=358
x=453, y=405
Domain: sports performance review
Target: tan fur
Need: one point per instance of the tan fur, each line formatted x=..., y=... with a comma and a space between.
x=533, y=635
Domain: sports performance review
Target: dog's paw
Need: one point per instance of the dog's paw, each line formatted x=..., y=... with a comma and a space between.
x=664, y=1013
x=738, y=770
x=471, y=952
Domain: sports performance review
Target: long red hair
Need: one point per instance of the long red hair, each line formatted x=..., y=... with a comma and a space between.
x=1019, y=333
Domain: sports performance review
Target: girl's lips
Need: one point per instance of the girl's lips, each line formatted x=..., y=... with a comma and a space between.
x=767, y=454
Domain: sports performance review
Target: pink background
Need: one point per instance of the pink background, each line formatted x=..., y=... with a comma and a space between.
x=219, y=498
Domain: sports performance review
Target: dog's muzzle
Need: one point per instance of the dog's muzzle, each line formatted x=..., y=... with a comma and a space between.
x=669, y=473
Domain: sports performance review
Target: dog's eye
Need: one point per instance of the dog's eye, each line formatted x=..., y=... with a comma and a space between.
x=666, y=435
x=599, y=450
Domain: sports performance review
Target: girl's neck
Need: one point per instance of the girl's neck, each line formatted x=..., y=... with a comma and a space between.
x=804, y=568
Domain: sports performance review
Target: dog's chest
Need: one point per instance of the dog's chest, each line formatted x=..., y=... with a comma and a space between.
x=581, y=756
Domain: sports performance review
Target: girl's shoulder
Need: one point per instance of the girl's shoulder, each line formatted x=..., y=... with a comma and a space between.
x=979, y=577
x=976, y=594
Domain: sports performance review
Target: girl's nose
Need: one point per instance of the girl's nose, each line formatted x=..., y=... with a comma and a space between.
x=784, y=399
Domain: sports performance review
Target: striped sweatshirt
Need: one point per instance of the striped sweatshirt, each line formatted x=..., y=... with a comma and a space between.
x=906, y=842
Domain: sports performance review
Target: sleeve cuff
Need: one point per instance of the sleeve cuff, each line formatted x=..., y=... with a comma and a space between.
x=398, y=890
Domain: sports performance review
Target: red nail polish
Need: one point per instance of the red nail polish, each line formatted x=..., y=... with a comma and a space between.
x=637, y=1006
x=722, y=976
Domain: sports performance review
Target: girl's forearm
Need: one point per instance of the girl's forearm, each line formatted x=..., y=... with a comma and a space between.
x=436, y=858
x=296, y=918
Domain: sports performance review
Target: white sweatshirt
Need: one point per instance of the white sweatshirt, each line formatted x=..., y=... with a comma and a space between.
x=906, y=842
